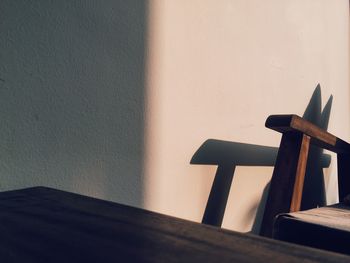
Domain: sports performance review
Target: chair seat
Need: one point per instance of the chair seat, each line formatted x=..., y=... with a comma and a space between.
x=325, y=228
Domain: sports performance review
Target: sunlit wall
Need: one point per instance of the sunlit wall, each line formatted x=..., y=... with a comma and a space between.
x=112, y=98
x=217, y=69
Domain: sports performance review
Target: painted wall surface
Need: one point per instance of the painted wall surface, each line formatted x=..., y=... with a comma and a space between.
x=112, y=98
x=72, y=96
x=217, y=70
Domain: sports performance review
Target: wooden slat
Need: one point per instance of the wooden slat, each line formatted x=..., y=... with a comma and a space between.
x=300, y=174
x=312, y=130
x=320, y=137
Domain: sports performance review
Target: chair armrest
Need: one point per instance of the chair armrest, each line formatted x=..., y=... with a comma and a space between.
x=319, y=137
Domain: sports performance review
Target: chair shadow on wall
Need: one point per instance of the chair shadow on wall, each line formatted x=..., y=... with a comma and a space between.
x=227, y=155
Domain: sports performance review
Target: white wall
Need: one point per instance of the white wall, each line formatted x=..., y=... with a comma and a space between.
x=217, y=69
x=84, y=107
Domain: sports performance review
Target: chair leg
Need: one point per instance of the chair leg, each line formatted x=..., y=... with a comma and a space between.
x=343, y=175
x=287, y=179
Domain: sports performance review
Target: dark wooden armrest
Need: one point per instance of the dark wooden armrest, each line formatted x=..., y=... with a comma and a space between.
x=319, y=137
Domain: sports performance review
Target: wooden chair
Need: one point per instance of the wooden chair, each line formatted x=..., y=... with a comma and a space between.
x=290, y=159
x=288, y=176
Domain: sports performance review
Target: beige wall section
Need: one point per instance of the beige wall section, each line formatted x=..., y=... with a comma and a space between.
x=217, y=69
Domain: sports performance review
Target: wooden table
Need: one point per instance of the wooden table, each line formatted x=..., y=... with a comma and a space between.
x=47, y=225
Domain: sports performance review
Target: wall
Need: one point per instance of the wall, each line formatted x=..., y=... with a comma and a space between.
x=72, y=96
x=112, y=98
x=217, y=70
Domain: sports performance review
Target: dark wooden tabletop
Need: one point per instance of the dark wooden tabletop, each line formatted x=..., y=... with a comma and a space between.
x=47, y=225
